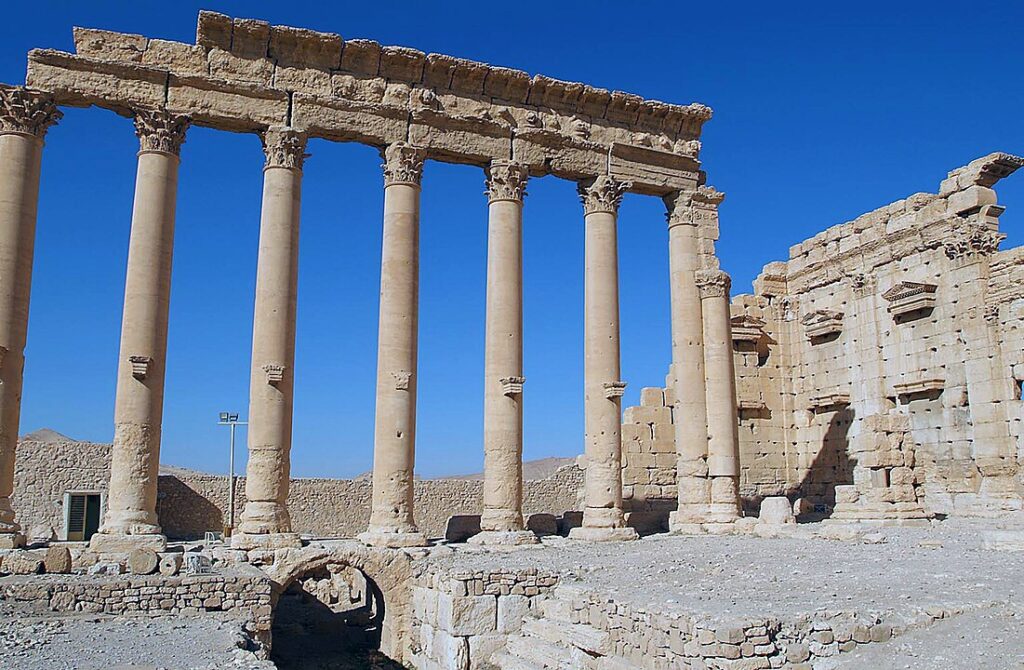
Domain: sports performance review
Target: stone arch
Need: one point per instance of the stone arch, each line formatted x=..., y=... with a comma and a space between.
x=388, y=569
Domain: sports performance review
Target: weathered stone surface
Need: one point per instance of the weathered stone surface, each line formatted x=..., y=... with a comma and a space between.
x=142, y=562
x=57, y=560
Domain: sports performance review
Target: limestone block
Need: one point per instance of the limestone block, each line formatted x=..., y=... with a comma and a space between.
x=78, y=81
x=306, y=80
x=542, y=524
x=461, y=140
x=512, y=610
x=213, y=30
x=971, y=199
x=468, y=615
x=109, y=46
x=451, y=652
x=461, y=527
x=845, y=494
x=23, y=562
x=300, y=48
x=57, y=560
x=652, y=397
x=106, y=568
x=344, y=120
x=776, y=510
x=401, y=63
x=225, y=65
x=361, y=57
x=250, y=38
x=424, y=603
x=482, y=647
x=230, y=106
x=176, y=57
x=142, y=561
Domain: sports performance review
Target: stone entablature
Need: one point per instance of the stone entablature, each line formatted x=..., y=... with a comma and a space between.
x=246, y=75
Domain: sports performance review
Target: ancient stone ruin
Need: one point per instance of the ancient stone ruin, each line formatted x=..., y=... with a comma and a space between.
x=872, y=380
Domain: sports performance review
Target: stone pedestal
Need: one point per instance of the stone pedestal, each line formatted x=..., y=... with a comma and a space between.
x=502, y=517
x=602, y=515
x=265, y=522
x=391, y=517
x=25, y=117
x=138, y=412
x=723, y=427
x=690, y=407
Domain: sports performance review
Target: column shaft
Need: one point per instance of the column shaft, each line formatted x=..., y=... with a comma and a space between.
x=502, y=518
x=131, y=502
x=24, y=119
x=723, y=426
x=690, y=403
x=391, y=517
x=265, y=521
x=602, y=515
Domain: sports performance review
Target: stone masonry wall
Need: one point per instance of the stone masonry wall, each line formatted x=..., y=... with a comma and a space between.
x=189, y=504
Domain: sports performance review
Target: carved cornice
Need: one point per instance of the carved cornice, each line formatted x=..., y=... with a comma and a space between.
x=603, y=194
x=506, y=180
x=988, y=170
x=159, y=130
x=747, y=328
x=284, y=147
x=403, y=164
x=708, y=196
x=26, y=111
x=713, y=283
x=822, y=323
x=973, y=240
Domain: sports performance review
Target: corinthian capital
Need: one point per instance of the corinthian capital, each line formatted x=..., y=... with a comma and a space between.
x=506, y=180
x=284, y=147
x=403, y=164
x=603, y=194
x=159, y=130
x=25, y=111
x=713, y=284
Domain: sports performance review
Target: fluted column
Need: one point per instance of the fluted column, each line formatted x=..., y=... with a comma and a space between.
x=502, y=520
x=602, y=515
x=391, y=517
x=131, y=501
x=265, y=521
x=690, y=404
x=723, y=424
x=25, y=117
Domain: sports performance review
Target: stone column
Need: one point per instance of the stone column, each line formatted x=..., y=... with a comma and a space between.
x=265, y=521
x=602, y=515
x=690, y=407
x=25, y=117
x=131, y=501
x=502, y=519
x=391, y=517
x=723, y=423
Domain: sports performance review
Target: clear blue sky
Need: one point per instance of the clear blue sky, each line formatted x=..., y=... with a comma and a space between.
x=821, y=113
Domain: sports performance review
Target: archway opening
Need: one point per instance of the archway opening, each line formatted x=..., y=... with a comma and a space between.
x=330, y=618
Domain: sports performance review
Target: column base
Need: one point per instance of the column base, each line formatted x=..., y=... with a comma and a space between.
x=592, y=534
x=12, y=540
x=392, y=540
x=116, y=543
x=247, y=541
x=504, y=538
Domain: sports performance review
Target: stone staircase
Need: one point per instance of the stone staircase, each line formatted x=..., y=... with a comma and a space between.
x=550, y=640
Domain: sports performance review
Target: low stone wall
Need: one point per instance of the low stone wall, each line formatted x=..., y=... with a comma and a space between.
x=461, y=618
x=241, y=592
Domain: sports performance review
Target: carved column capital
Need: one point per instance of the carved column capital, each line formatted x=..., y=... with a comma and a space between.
x=713, y=284
x=159, y=130
x=403, y=164
x=506, y=180
x=973, y=241
x=25, y=111
x=284, y=147
x=603, y=194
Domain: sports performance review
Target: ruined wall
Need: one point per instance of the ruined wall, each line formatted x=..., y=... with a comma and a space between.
x=879, y=369
x=189, y=504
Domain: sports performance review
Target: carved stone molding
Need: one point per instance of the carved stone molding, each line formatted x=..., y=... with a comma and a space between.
x=403, y=164
x=919, y=387
x=512, y=386
x=991, y=314
x=824, y=401
x=973, y=241
x=26, y=111
x=506, y=180
x=613, y=390
x=402, y=379
x=274, y=373
x=284, y=147
x=159, y=130
x=713, y=283
x=747, y=328
x=907, y=297
x=603, y=194
x=822, y=323
x=140, y=366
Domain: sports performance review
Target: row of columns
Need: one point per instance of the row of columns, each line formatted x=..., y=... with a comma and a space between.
x=705, y=407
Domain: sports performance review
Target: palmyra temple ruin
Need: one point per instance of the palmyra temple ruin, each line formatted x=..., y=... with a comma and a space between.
x=872, y=380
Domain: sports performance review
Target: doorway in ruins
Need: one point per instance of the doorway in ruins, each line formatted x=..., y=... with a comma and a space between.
x=330, y=618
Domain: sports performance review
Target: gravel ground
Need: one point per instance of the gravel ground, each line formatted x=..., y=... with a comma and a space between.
x=891, y=570
x=98, y=642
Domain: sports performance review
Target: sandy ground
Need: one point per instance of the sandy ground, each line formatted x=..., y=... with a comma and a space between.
x=889, y=569
x=98, y=642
